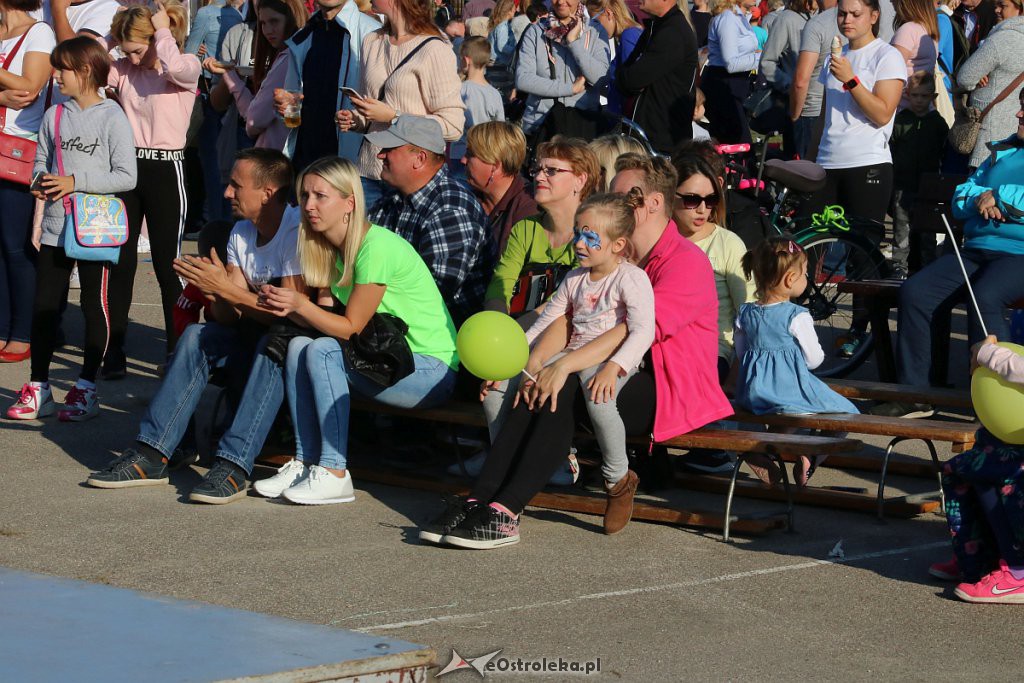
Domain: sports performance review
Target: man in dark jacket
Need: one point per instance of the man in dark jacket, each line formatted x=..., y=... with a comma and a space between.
x=976, y=18
x=660, y=75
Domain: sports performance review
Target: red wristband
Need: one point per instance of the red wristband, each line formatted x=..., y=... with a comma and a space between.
x=851, y=84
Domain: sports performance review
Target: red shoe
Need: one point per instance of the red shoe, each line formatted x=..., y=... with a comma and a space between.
x=998, y=587
x=8, y=357
x=946, y=571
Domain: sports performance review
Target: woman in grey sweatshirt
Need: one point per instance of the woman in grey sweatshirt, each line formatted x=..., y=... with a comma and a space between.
x=98, y=157
x=1000, y=58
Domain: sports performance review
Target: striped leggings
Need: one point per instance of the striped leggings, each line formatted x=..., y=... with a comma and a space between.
x=160, y=198
x=53, y=270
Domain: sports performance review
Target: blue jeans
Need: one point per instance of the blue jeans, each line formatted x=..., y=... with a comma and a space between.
x=373, y=190
x=199, y=349
x=17, y=262
x=319, y=382
x=927, y=298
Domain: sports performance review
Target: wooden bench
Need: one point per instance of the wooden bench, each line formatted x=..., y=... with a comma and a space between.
x=960, y=436
x=779, y=447
x=885, y=391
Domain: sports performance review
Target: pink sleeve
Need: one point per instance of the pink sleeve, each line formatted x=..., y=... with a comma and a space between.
x=909, y=37
x=684, y=290
x=1003, y=361
x=243, y=98
x=180, y=69
x=636, y=292
x=261, y=113
x=557, y=305
x=114, y=76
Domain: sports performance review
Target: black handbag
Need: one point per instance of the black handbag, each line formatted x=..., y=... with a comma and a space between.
x=381, y=353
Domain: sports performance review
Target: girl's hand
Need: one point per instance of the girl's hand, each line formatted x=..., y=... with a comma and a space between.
x=280, y=301
x=201, y=52
x=216, y=67
x=983, y=83
x=990, y=339
x=841, y=69
x=602, y=385
x=160, y=18
x=550, y=381
x=575, y=33
x=486, y=387
x=283, y=99
x=579, y=85
x=345, y=120
x=57, y=186
x=374, y=110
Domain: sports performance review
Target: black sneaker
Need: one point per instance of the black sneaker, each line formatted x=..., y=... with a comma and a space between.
x=224, y=483
x=455, y=510
x=484, y=528
x=900, y=409
x=115, y=366
x=706, y=461
x=131, y=469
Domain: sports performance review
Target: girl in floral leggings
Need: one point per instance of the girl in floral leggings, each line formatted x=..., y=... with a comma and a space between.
x=984, y=490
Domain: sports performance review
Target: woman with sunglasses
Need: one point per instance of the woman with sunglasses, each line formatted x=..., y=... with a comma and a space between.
x=698, y=211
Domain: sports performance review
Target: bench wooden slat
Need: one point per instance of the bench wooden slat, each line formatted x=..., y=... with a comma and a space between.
x=884, y=391
x=959, y=435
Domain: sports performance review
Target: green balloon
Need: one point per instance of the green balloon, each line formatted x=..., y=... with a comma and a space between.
x=998, y=403
x=492, y=346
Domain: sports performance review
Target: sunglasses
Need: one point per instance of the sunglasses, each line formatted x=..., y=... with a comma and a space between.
x=587, y=236
x=692, y=201
x=549, y=171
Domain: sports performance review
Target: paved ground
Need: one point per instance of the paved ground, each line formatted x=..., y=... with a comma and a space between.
x=656, y=603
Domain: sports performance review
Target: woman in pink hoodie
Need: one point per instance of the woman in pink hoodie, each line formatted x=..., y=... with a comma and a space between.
x=156, y=85
x=676, y=391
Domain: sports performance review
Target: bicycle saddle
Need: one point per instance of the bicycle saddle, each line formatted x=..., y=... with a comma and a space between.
x=799, y=175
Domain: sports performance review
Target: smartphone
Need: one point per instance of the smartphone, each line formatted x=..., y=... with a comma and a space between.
x=37, y=183
x=352, y=94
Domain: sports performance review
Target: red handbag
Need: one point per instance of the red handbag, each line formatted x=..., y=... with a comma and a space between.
x=17, y=155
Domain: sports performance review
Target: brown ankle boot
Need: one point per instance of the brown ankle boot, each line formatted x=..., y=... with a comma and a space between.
x=620, y=503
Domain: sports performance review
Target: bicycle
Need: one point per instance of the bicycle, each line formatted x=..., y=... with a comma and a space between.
x=836, y=251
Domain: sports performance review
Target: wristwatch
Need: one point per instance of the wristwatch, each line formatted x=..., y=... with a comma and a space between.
x=851, y=84
x=395, y=120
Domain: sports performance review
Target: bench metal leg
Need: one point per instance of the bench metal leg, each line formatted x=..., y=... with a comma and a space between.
x=729, y=495
x=885, y=467
x=790, y=528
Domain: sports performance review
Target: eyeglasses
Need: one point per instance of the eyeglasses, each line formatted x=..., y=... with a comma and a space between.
x=587, y=236
x=549, y=171
x=692, y=201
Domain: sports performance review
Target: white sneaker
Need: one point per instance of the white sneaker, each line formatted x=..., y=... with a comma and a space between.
x=320, y=487
x=80, y=405
x=33, y=403
x=75, y=282
x=143, y=247
x=568, y=473
x=288, y=475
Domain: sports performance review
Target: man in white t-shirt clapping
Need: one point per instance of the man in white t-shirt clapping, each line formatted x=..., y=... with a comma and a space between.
x=261, y=250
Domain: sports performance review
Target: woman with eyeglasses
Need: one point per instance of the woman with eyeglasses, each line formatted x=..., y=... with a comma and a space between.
x=698, y=212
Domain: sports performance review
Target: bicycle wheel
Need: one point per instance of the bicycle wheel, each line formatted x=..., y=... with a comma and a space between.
x=834, y=257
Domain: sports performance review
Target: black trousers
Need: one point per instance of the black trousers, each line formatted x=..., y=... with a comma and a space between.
x=725, y=94
x=53, y=270
x=161, y=198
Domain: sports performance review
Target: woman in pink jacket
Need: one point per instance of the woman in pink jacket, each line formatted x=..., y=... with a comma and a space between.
x=156, y=86
x=676, y=391
x=278, y=20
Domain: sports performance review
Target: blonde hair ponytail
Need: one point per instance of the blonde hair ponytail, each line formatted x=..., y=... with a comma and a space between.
x=135, y=23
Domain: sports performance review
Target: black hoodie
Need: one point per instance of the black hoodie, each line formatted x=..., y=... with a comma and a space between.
x=660, y=74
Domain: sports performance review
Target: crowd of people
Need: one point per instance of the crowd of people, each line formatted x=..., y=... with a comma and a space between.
x=365, y=177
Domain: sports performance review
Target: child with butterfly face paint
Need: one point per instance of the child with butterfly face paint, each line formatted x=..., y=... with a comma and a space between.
x=604, y=292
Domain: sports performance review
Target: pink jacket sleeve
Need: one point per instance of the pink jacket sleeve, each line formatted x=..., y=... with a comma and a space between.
x=260, y=113
x=180, y=69
x=1002, y=361
x=638, y=295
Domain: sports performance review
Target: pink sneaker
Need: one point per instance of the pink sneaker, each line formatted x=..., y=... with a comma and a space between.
x=946, y=571
x=80, y=405
x=999, y=587
x=33, y=403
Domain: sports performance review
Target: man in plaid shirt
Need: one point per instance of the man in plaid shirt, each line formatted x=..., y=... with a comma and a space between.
x=437, y=214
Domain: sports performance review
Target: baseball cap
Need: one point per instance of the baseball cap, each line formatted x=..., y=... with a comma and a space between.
x=411, y=130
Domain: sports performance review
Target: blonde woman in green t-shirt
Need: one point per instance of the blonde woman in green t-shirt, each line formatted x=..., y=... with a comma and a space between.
x=369, y=269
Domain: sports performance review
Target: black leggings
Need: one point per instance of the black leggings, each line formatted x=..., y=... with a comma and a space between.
x=532, y=445
x=160, y=197
x=53, y=270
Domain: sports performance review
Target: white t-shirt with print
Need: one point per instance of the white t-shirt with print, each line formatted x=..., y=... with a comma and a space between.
x=94, y=16
x=268, y=263
x=849, y=139
x=25, y=122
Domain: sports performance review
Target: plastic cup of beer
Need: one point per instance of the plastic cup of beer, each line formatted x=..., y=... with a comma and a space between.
x=293, y=112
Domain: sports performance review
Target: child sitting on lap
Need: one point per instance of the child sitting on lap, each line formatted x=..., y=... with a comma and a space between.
x=777, y=348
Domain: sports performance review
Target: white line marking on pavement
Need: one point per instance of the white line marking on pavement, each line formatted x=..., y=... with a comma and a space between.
x=811, y=564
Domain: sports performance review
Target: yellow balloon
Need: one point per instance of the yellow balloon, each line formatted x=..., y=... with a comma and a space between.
x=998, y=403
x=492, y=346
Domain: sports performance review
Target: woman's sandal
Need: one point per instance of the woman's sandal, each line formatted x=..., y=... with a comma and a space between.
x=765, y=469
x=800, y=478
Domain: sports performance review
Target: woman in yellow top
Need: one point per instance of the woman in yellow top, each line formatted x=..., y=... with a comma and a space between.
x=369, y=269
x=565, y=174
